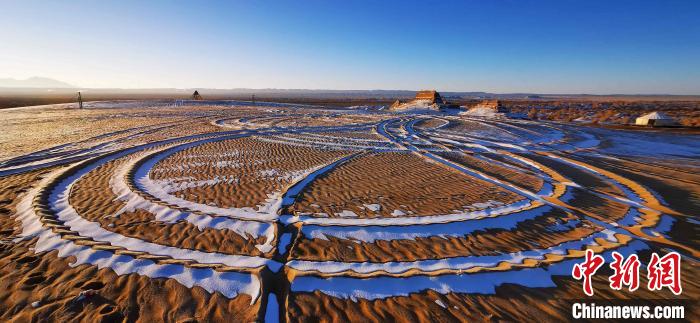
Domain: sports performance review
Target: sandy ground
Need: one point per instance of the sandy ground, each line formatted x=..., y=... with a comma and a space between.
x=387, y=184
x=249, y=170
x=144, y=211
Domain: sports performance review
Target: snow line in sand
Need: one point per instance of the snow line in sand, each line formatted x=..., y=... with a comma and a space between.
x=59, y=203
x=230, y=284
x=410, y=220
x=370, y=234
x=265, y=212
x=481, y=283
x=452, y=263
x=134, y=201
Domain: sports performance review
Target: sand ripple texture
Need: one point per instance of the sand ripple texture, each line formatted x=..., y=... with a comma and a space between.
x=139, y=211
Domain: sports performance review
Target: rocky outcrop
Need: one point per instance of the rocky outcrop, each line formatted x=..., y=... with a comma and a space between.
x=427, y=99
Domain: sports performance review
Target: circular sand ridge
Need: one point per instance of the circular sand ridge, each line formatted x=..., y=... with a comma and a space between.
x=316, y=136
x=521, y=161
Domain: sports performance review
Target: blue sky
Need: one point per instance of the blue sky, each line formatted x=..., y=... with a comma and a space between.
x=560, y=46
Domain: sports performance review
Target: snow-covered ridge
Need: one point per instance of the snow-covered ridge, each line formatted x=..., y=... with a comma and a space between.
x=230, y=284
x=454, y=264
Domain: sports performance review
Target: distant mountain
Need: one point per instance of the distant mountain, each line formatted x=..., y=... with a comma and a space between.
x=34, y=82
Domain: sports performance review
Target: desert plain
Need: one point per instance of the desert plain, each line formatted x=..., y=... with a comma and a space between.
x=228, y=211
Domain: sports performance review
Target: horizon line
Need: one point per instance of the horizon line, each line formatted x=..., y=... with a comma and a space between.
x=337, y=90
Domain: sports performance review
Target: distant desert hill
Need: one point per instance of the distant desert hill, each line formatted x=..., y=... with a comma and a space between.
x=34, y=82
